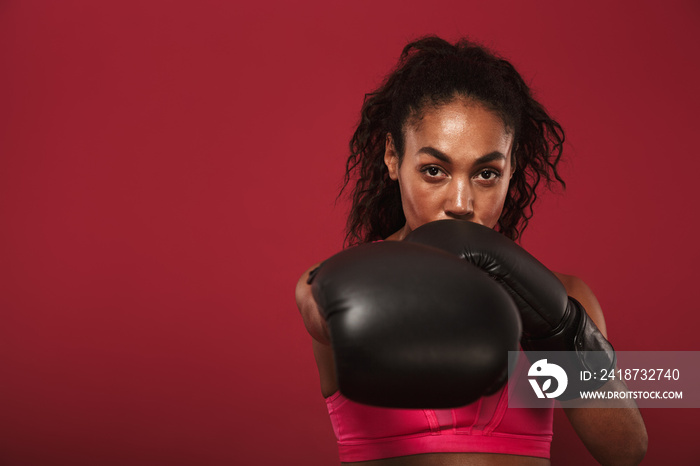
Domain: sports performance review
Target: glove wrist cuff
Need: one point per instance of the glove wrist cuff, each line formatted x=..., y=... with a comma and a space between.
x=587, y=349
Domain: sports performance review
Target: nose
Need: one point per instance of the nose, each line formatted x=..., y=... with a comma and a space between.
x=460, y=201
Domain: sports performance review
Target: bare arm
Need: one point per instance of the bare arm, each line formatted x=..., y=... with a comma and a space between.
x=313, y=320
x=614, y=436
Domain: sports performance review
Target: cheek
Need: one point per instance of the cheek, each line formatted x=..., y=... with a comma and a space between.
x=419, y=202
x=493, y=207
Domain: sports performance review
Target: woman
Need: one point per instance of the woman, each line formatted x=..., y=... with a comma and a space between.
x=454, y=133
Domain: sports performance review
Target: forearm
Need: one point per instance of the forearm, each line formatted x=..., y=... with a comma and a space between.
x=614, y=436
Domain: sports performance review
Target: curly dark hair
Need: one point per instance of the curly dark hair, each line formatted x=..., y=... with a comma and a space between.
x=432, y=72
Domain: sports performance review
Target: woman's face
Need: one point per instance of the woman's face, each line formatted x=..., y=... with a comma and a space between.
x=456, y=165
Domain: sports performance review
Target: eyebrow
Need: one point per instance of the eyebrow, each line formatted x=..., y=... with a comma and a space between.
x=490, y=157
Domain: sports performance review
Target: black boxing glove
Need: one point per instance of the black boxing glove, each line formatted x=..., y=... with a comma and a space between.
x=413, y=326
x=552, y=321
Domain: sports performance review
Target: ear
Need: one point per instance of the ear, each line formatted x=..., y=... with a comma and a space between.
x=391, y=158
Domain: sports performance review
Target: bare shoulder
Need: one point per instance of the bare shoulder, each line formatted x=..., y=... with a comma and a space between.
x=577, y=289
x=313, y=320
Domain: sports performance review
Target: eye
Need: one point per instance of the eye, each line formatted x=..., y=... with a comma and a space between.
x=432, y=171
x=488, y=175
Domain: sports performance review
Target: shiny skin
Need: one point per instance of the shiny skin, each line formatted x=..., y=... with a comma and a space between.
x=456, y=164
x=434, y=189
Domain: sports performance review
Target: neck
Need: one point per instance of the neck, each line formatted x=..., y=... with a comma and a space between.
x=399, y=235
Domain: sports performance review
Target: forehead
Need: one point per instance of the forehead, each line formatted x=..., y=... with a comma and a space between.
x=459, y=124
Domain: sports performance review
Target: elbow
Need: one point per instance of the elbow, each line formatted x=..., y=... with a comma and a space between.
x=640, y=448
x=638, y=445
x=632, y=453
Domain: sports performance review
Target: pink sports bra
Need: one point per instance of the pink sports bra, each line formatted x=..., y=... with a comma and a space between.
x=486, y=426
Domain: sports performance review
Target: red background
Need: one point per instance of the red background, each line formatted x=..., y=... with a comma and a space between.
x=168, y=170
